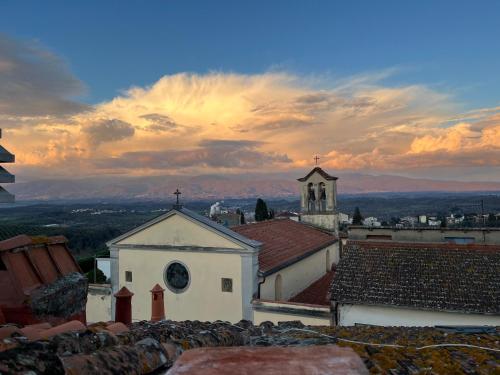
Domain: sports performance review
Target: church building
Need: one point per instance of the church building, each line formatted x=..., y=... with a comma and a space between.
x=211, y=272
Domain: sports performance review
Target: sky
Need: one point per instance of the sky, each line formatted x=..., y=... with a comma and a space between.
x=193, y=87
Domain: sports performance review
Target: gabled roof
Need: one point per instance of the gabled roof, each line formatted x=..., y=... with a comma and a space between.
x=203, y=220
x=284, y=242
x=429, y=276
x=41, y=278
x=323, y=174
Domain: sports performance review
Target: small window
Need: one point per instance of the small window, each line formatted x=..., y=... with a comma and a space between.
x=2, y=266
x=128, y=276
x=227, y=285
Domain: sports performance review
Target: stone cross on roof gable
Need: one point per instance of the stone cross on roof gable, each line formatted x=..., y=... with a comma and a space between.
x=177, y=193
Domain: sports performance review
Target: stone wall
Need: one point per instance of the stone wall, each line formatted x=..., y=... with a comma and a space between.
x=275, y=312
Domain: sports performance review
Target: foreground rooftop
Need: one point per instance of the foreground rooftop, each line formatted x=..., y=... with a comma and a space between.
x=146, y=347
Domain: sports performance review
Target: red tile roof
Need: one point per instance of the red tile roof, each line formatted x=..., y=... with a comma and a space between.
x=284, y=242
x=317, y=293
x=43, y=331
x=28, y=264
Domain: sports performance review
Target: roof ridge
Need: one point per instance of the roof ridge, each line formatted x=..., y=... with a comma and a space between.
x=321, y=172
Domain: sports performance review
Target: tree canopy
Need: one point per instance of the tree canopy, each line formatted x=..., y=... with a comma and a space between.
x=357, y=218
x=261, y=211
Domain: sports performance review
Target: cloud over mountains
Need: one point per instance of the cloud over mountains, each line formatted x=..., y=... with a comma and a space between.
x=234, y=123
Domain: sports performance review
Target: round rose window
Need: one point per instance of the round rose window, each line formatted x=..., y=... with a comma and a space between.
x=176, y=277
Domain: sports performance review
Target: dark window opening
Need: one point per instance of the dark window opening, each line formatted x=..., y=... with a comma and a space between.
x=128, y=276
x=227, y=285
x=385, y=237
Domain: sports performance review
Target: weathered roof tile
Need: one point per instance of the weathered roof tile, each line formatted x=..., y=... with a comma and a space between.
x=433, y=276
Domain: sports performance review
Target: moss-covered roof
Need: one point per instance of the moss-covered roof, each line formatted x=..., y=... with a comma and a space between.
x=146, y=347
x=431, y=276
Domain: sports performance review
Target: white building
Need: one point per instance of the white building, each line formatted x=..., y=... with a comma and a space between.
x=434, y=222
x=371, y=222
x=417, y=284
x=344, y=218
x=5, y=176
x=211, y=272
x=409, y=220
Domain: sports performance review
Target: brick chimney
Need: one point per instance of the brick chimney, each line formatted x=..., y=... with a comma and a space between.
x=123, y=307
x=157, y=303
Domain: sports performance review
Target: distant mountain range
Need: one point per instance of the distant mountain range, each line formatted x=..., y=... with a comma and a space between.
x=227, y=186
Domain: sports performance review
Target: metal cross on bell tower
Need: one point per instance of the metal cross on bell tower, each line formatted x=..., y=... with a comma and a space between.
x=177, y=204
x=316, y=158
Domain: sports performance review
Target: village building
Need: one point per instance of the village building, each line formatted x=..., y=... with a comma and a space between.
x=417, y=284
x=212, y=272
x=487, y=236
x=5, y=176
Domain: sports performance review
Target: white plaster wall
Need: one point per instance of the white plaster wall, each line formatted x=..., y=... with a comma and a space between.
x=99, y=300
x=300, y=275
x=203, y=300
x=393, y=316
x=177, y=230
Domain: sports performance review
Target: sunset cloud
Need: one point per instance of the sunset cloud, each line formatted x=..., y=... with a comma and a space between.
x=106, y=130
x=35, y=82
x=235, y=123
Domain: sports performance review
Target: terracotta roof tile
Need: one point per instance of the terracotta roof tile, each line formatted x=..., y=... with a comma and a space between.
x=72, y=326
x=431, y=276
x=148, y=347
x=8, y=331
x=284, y=242
x=326, y=359
x=35, y=266
x=318, y=292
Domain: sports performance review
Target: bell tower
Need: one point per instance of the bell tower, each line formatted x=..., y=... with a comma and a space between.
x=318, y=199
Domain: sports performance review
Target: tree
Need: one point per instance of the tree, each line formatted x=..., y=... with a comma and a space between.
x=357, y=219
x=394, y=221
x=242, y=217
x=492, y=220
x=99, y=277
x=443, y=221
x=271, y=214
x=261, y=211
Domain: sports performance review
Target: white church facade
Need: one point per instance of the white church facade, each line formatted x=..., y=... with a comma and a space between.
x=211, y=272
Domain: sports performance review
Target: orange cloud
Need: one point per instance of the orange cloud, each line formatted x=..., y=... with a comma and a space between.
x=235, y=123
